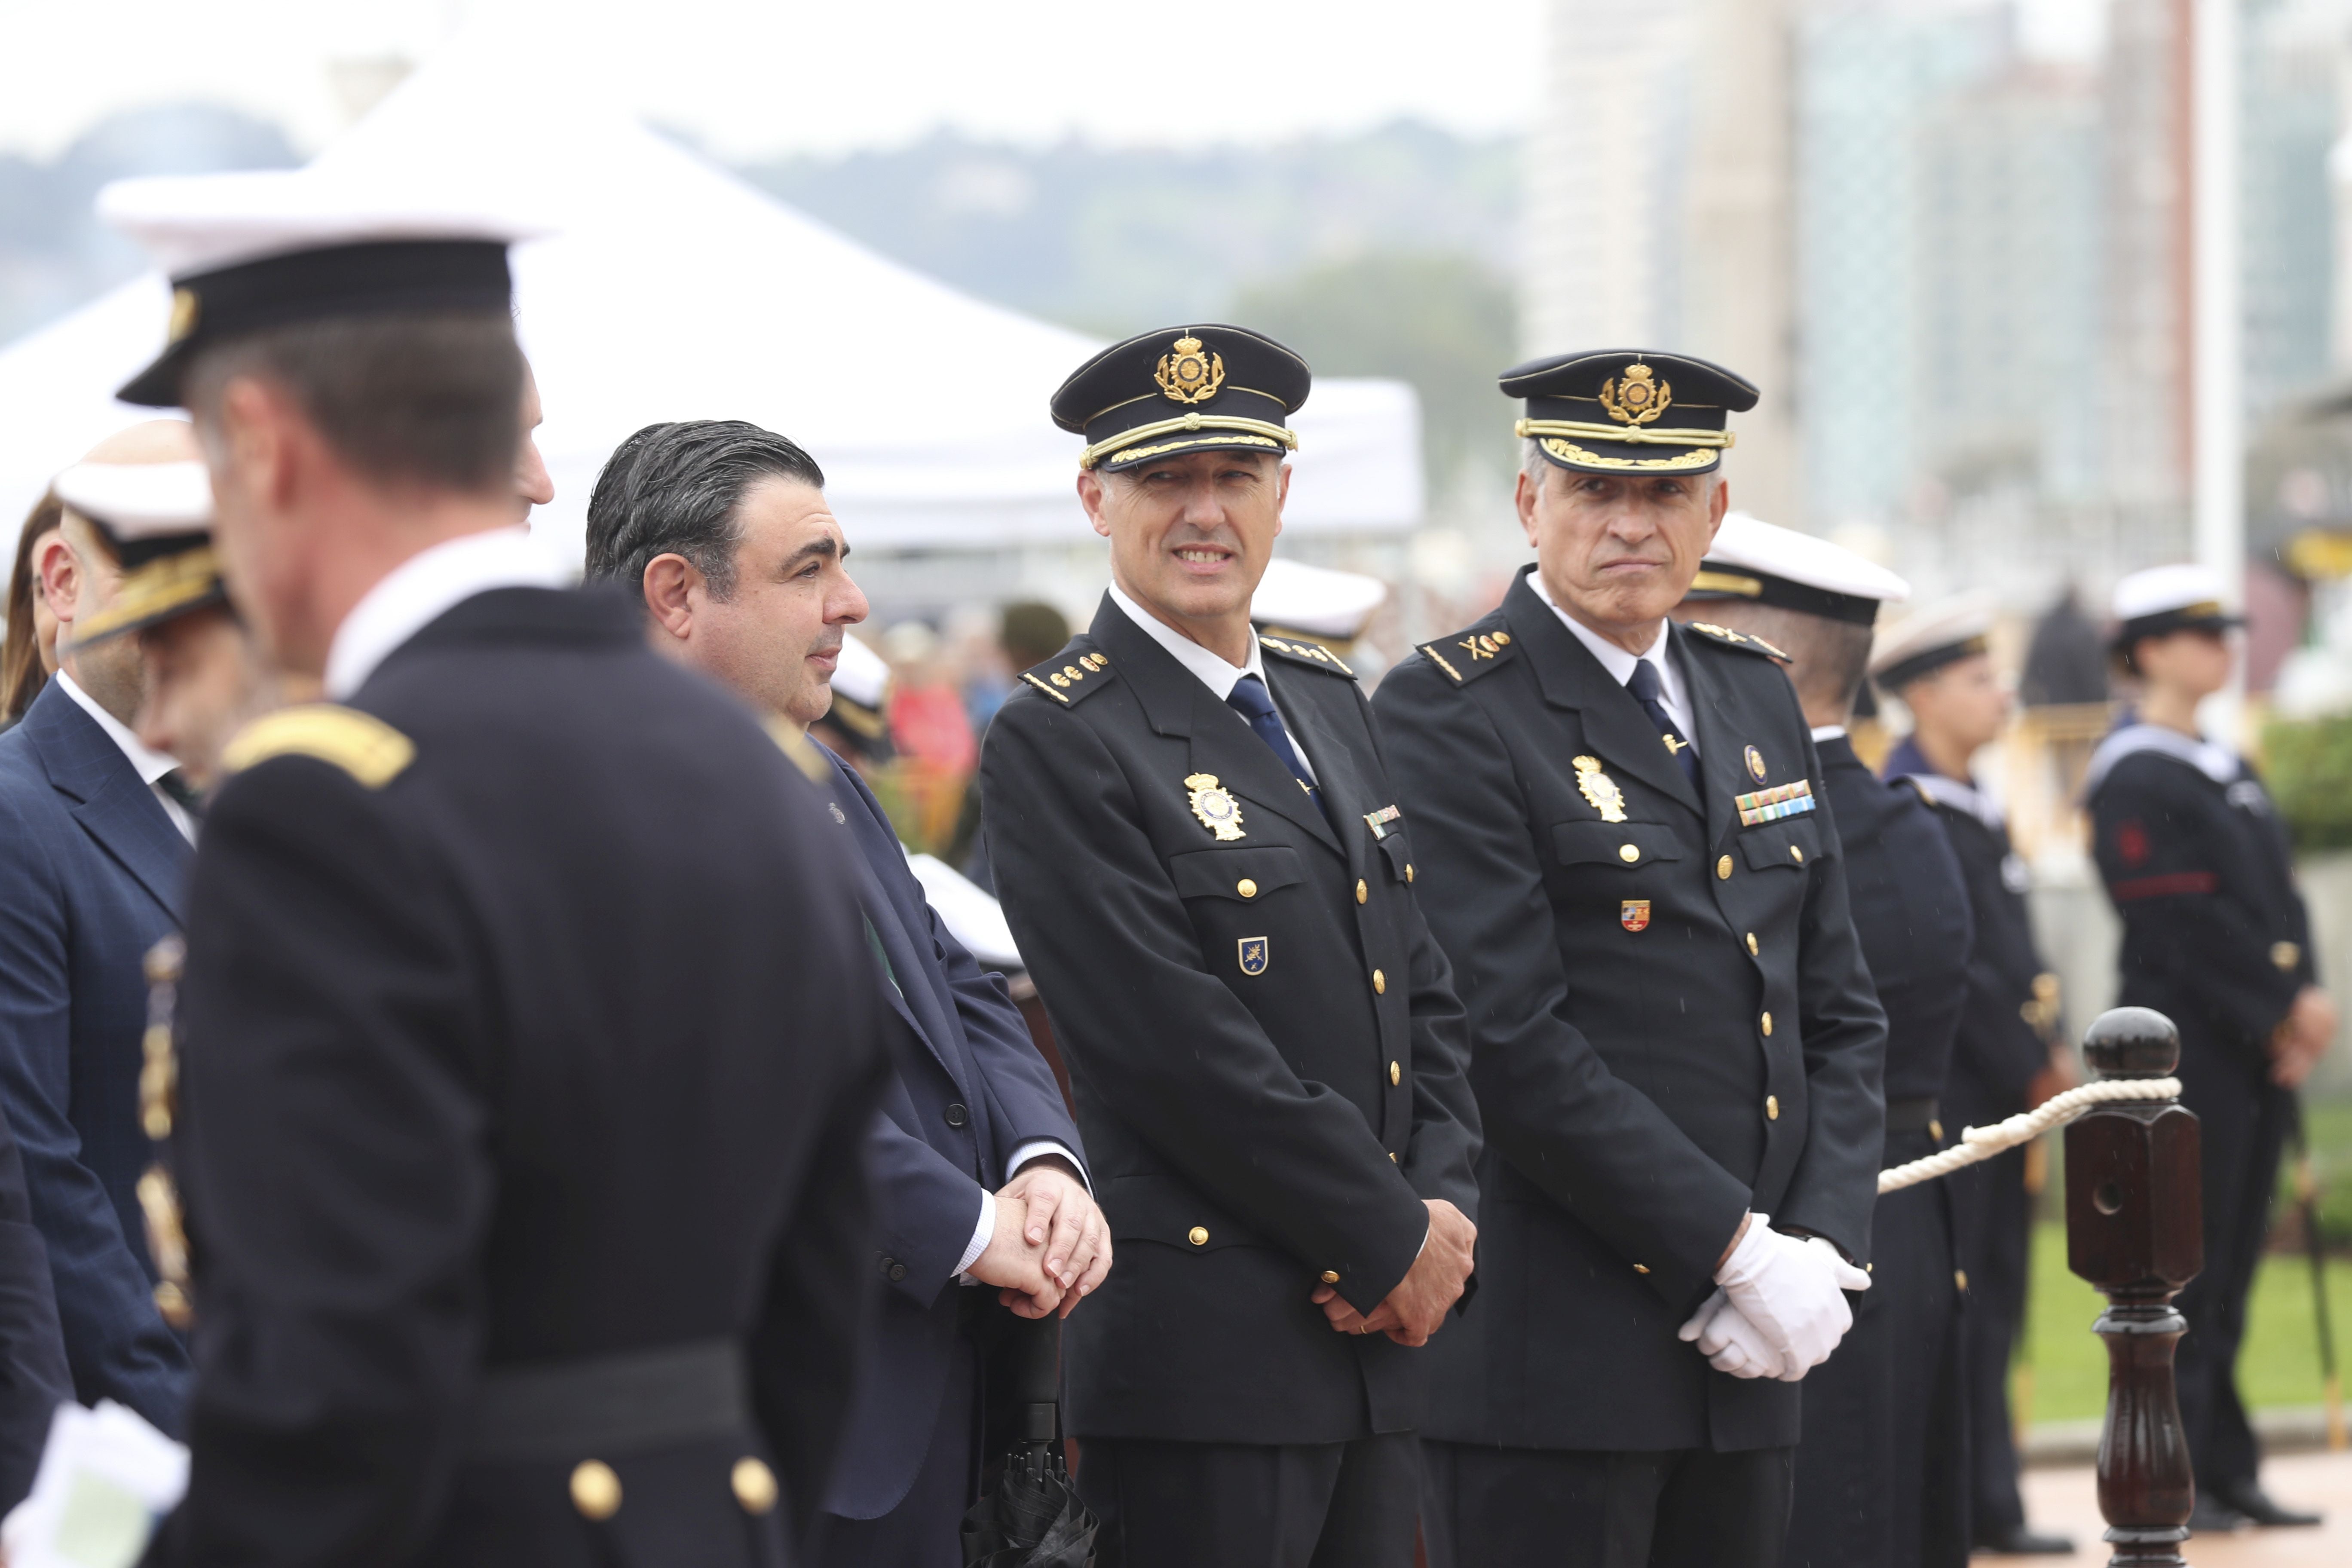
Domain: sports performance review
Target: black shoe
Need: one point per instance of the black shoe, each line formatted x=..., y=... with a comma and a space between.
x=2214, y=1517
x=2021, y=1541
x=2249, y=1499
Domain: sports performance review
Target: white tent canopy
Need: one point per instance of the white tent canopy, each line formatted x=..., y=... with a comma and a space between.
x=672, y=290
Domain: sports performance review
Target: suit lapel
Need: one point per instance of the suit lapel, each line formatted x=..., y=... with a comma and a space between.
x=1722, y=741
x=110, y=802
x=1614, y=724
x=1317, y=731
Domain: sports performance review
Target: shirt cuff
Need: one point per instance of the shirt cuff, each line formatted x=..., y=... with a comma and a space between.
x=982, y=1234
x=1038, y=1149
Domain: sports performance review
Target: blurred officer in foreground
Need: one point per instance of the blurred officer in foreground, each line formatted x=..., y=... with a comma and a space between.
x=1204, y=862
x=95, y=841
x=514, y=969
x=2215, y=937
x=2010, y=1055
x=1675, y=1045
x=722, y=529
x=1881, y=1473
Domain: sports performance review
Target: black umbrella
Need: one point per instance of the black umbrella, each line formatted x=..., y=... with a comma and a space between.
x=1028, y=1515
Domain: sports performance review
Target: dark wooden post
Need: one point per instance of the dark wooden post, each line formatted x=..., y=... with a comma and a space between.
x=2135, y=1228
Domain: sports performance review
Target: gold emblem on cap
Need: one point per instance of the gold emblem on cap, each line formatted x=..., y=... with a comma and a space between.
x=1188, y=374
x=1639, y=398
x=186, y=309
x=1601, y=790
x=1219, y=812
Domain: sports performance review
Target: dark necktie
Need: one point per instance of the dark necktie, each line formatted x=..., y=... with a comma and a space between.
x=1646, y=688
x=183, y=795
x=1253, y=702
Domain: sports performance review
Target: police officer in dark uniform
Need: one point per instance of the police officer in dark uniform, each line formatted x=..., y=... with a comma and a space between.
x=521, y=1089
x=2216, y=938
x=1674, y=1042
x=2005, y=1060
x=1203, y=859
x=1881, y=1472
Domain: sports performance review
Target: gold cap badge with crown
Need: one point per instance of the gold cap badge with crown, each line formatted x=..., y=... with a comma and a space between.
x=1639, y=399
x=1188, y=376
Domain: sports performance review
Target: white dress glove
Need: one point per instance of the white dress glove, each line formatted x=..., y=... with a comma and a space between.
x=1792, y=1291
x=1731, y=1343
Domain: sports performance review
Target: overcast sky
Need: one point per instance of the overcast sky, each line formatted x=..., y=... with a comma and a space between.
x=755, y=76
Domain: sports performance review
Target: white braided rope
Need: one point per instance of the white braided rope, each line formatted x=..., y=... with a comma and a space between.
x=1983, y=1143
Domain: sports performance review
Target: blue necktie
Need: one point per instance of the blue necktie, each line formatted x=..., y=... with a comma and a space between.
x=1253, y=702
x=1645, y=687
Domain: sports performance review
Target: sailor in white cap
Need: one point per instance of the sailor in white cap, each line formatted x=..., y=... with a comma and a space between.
x=858, y=726
x=2011, y=1053
x=1879, y=1469
x=437, y=936
x=1299, y=603
x=2216, y=938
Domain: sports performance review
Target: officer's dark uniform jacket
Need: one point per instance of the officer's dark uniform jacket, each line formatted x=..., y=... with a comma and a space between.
x=1670, y=1023
x=2198, y=863
x=1880, y=1474
x=517, y=1040
x=1262, y=1036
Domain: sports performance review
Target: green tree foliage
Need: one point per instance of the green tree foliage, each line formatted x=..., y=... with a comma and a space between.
x=1443, y=321
x=2309, y=766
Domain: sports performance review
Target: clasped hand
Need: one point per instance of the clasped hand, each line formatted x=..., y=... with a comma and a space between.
x=1051, y=1246
x=1414, y=1310
x=1780, y=1308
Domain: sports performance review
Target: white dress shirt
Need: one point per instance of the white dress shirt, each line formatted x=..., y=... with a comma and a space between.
x=1673, y=695
x=1213, y=670
x=419, y=589
x=148, y=765
x=1827, y=733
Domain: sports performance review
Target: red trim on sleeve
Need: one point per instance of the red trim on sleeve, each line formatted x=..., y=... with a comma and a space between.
x=2165, y=886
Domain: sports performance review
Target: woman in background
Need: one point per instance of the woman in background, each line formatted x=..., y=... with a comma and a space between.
x=28, y=648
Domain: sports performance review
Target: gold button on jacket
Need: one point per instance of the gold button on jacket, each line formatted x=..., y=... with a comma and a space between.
x=1330, y=1276
x=1396, y=1074
x=754, y=1484
x=1379, y=983
x=1723, y=868
x=596, y=1489
x=1362, y=892
x=1771, y=1107
x=1246, y=887
x=1767, y=1025
x=1198, y=1236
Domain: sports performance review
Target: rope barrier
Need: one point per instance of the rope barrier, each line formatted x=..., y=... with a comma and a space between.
x=1979, y=1143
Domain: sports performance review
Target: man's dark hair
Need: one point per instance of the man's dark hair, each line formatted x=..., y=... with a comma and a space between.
x=676, y=489
x=1032, y=632
x=406, y=400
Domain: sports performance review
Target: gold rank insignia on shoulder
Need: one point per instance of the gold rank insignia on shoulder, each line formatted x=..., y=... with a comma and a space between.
x=1600, y=791
x=1723, y=634
x=362, y=745
x=1219, y=812
x=1772, y=805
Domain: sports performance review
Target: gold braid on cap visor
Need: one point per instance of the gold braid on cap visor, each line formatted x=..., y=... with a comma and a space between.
x=1274, y=435
x=151, y=592
x=1634, y=434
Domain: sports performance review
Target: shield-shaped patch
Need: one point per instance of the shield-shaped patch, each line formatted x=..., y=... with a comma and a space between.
x=1253, y=954
x=1633, y=914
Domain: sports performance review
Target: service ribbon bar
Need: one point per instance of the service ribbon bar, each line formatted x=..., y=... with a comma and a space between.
x=1772, y=805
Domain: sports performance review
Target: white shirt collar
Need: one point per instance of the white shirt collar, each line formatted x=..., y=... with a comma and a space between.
x=1827, y=733
x=149, y=765
x=1618, y=662
x=419, y=589
x=1214, y=671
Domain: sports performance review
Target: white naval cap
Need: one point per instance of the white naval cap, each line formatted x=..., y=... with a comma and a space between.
x=2168, y=599
x=1315, y=600
x=135, y=501
x=1768, y=564
x=1931, y=638
x=862, y=676
x=248, y=252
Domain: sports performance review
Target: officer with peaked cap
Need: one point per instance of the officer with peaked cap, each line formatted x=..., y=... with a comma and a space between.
x=596, y=1235
x=2216, y=938
x=1203, y=861
x=1674, y=1043
x=1880, y=1471
x=2010, y=1055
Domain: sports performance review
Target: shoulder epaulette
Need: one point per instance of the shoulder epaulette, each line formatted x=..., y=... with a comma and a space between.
x=1914, y=781
x=1314, y=655
x=803, y=751
x=1745, y=641
x=1465, y=655
x=1071, y=675
x=362, y=745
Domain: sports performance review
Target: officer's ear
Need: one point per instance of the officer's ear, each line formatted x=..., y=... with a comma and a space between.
x=1718, y=503
x=1090, y=496
x=672, y=585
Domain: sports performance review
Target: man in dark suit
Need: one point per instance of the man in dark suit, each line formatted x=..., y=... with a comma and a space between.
x=514, y=972
x=34, y=1376
x=95, y=840
x=2197, y=862
x=1674, y=1043
x=1199, y=852
x=1881, y=1471
x=723, y=529
x=2010, y=1055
